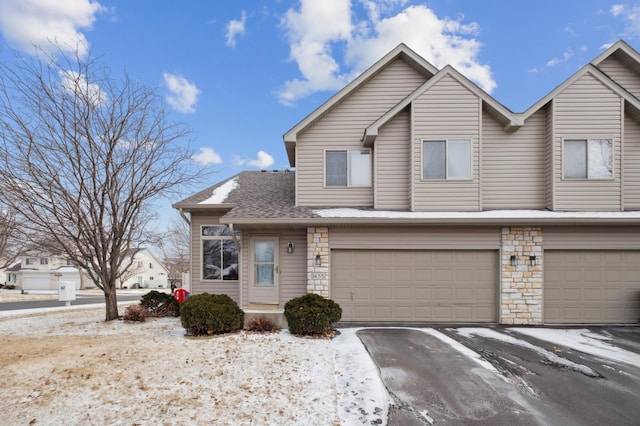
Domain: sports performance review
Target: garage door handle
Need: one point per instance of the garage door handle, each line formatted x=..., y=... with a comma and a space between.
x=351, y=294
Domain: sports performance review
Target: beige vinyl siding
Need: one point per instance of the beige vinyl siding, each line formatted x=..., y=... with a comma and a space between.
x=549, y=193
x=447, y=110
x=231, y=288
x=621, y=75
x=342, y=128
x=631, y=164
x=599, y=238
x=393, y=166
x=585, y=110
x=428, y=238
x=293, y=266
x=513, y=164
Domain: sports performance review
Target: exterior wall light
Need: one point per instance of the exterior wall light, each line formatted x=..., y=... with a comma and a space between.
x=290, y=247
x=533, y=260
x=318, y=260
x=514, y=260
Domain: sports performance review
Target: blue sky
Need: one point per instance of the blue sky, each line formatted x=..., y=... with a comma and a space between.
x=241, y=73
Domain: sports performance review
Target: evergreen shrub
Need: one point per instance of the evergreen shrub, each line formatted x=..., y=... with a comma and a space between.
x=207, y=314
x=311, y=314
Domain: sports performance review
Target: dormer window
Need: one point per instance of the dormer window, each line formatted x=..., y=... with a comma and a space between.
x=588, y=159
x=348, y=168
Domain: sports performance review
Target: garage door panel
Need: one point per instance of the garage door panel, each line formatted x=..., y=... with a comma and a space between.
x=423, y=294
x=382, y=293
x=417, y=285
x=403, y=313
x=591, y=286
x=402, y=275
x=402, y=293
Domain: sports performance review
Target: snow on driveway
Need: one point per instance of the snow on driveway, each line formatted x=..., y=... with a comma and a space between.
x=582, y=340
x=548, y=355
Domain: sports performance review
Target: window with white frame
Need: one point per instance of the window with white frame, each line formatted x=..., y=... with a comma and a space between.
x=348, y=168
x=44, y=261
x=29, y=261
x=219, y=254
x=588, y=159
x=446, y=159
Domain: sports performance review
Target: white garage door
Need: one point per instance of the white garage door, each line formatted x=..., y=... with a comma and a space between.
x=37, y=282
x=415, y=285
x=591, y=286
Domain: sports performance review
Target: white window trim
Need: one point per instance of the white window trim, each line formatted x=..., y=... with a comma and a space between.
x=324, y=169
x=446, y=160
x=583, y=138
x=213, y=237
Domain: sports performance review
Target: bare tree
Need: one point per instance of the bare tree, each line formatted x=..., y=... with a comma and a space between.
x=175, y=250
x=84, y=155
x=10, y=245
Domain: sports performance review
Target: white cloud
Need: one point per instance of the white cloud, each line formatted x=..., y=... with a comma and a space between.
x=631, y=15
x=264, y=161
x=617, y=9
x=183, y=95
x=75, y=83
x=565, y=57
x=207, y=156
x=310, y=40
x=236, y=28
x=25, y=23
x=313, y=43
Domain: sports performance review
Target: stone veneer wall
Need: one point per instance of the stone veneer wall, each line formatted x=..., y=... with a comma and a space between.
x=318, y=276
x=521, y=295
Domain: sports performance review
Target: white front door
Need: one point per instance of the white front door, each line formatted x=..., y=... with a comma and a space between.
x=264, y=272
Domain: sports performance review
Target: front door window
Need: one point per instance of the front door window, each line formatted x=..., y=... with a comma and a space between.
x=264, y=263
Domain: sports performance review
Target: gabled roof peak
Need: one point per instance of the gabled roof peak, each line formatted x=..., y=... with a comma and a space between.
x=400, y=51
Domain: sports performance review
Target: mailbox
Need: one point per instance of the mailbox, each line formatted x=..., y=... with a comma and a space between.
x=66, y=291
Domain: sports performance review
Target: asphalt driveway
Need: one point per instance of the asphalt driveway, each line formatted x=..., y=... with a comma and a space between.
x=502, y=376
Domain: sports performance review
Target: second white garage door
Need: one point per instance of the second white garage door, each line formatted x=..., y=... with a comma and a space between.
x=415, y=285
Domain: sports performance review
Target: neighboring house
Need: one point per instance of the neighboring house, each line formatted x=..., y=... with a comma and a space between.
x=419, y=197
x=145, y=272
x=38, y=271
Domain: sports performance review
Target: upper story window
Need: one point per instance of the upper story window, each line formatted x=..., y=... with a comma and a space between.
x=588, y=159
x=29, y=261
x=446, y=159
x=44, y=261
x=150, y=265
x=348, y=168
x=219, y=254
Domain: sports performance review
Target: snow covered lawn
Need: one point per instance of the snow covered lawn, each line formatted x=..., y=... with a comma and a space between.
x=71, y=367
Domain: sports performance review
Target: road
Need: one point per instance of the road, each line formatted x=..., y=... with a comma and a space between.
x=54, y=303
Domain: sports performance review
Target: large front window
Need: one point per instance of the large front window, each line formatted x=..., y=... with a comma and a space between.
x=446, y=159
x=219, y=254
x=348, y=168
x=588, y=159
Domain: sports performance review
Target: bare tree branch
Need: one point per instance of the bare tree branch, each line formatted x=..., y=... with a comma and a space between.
x=85, y=155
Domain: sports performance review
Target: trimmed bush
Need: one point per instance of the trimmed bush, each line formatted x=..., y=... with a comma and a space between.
x=136, y=313
x=160, y=304
x=261, y=325
x=311, y=314
x=207, y=314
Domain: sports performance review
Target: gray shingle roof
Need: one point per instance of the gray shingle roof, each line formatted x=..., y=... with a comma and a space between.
x=259, y=195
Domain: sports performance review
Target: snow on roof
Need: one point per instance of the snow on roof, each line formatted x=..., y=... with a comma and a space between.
x=491, y=214
x=221, y=193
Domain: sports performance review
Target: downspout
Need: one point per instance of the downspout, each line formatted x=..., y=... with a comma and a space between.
x=184, y=216
x=233, y=235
